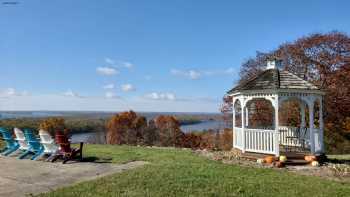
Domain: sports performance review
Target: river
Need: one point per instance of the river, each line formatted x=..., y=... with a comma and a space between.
x=100, y=137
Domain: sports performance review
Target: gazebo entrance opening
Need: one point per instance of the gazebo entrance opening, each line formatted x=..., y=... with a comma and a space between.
x=277, y=112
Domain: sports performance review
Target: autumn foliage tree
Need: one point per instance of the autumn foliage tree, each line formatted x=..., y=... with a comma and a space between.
x=169, y=130
x=151, y=134
x=52, y=125
x=126, y=128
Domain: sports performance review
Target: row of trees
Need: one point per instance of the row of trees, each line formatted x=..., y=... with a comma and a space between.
x=130, y=128
x=323, y=59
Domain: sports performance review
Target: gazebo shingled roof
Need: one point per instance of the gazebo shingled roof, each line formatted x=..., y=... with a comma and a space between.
x=275, y=79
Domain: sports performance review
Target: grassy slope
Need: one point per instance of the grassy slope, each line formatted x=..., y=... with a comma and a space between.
x=2, y=144
x=180, y=173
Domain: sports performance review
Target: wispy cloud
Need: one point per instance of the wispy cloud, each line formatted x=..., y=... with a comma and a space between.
x=191, y=74
x=127, y=65
x=197, y=74
x=109, y=61
x=10, y=92
x=161, y=96
x=111, y=95
x=109, y=86
x=107, y=71
x=118, y=64
x=128, y=87
x=70, y=93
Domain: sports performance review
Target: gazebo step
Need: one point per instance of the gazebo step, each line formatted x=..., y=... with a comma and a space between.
x=295, y=162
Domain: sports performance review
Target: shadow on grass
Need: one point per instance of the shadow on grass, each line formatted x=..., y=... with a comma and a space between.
x=97, y=160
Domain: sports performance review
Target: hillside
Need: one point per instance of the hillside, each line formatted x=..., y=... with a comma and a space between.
x=177, y=172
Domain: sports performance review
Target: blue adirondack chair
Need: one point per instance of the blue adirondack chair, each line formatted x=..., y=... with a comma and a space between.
x=11, y=144
x=35, y=148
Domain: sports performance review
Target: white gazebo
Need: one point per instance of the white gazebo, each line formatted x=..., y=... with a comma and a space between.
x=277, y=86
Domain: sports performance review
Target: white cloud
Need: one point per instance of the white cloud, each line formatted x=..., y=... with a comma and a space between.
x=127, y=87
x=196, y=74
x=191, y=74
x=127, y=65
x=109, y=61
x=56, y=102
x=160, y=96
x=109, y=86
x=110, y=95
x=10, y=92
x=118, y=64
x=108, y=71
x=70, y=93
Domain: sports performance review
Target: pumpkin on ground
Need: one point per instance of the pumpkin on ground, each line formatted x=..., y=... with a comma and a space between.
x=269, y=159
x=260, y=161
x=310, y=158
x=315, y=164
x=283, y=158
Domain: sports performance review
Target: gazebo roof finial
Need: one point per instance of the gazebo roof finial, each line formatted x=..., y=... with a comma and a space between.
x=273, y=63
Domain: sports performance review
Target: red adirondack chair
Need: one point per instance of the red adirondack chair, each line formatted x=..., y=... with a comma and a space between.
x=66, y=152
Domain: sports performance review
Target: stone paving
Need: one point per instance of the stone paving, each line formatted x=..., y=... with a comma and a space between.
x=25, y=177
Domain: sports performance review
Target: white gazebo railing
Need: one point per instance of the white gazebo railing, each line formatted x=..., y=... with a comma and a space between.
x=257, y=140
x=264, y=140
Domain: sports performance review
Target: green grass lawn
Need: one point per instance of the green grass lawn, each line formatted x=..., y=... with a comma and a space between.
x=181, y=173
x=339, y=157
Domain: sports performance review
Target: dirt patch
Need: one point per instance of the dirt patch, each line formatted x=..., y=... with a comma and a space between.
x=23, y=177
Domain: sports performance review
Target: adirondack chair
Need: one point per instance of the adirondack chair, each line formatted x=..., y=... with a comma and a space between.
x=21, y=140
x=49, y=144
x=35, y=147
x=66, y=152
x=11, y=144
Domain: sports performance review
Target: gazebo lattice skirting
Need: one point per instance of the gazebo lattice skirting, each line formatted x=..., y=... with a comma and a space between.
x=277, y=87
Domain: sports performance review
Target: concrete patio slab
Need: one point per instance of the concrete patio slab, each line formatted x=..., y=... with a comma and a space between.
x=24, y=177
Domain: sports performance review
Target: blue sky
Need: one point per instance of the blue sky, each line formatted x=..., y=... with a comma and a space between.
x=143, y=55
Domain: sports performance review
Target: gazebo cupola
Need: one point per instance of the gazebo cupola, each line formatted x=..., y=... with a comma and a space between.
x=277, y=86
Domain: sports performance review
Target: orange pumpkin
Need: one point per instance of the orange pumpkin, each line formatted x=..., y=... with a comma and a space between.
x=269, y=159
x=310, y=158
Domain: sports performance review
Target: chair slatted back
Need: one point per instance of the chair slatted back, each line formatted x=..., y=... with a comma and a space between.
x=23, y=145
x=48, y=142
x=7, y=137
x=33, y=142
x=63, y=141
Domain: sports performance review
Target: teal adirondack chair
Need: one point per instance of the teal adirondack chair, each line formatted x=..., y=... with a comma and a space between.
x=11, y=144
x=35, y=147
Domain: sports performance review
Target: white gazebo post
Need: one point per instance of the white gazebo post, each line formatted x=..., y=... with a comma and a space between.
x=243, y=127
x=234, y=122
x=302, y=115
x=276, y=134
x=321, y=126
x=246, y=117
x=311, y=125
